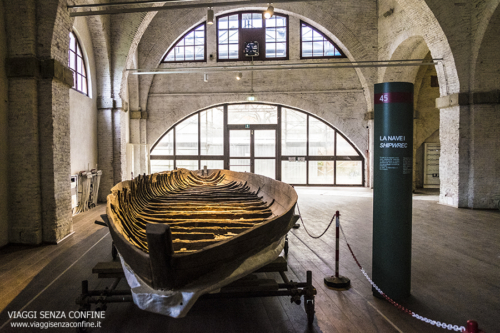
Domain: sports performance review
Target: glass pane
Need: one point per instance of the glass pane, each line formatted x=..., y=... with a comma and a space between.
x=189, y=39
x=293, y=133
x=79, y=63
x=329, y=49
x=212, y=164
x=349, y=172
x=307, y=49
x=233, y=51
x=189, y=53
x=271, y=22
x=280, y=21
x=293, y=172
x=233, y=36
x=212, y=131
x=233, y=22
x=252, y=114
x=161, y=165
x=223, y=51
x=344, y=147
x=84, y=85
x=280, y=49
x=239, y=143
x=72, y=42
x=246, y=20
x=240, y=165
x=200, y=35
x=317, y=36
x=186, y=140
x=306, y=33
x=265, y=168
x=223, y=36
x=199, y=53
x=270, y=35
x=79, y=82
x=317, y=49
x=187, y=164
x=281, y=34
x=170, y=56
x=321, y=172
x=264, y=143
x=321, y=138
x=179, y=53
x=257, y=20
x=337, y=53
x=72, y=63
x=270, y=50
x=223, y=23
x=165, y=146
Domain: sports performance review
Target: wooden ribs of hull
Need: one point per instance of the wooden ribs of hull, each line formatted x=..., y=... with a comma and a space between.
x=184, y=224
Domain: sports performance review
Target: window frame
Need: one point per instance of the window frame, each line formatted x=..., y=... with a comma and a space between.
x=262, y=49
x=75, y=71
x=172, y=49
x=279, y=158
x=342, y=54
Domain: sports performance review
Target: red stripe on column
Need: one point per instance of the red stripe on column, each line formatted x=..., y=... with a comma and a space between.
x=394, y=97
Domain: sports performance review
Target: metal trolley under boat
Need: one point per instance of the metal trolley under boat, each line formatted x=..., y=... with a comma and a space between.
x=181, y=231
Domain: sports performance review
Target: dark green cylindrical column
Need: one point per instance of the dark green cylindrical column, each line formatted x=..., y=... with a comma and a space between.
x=392, y=188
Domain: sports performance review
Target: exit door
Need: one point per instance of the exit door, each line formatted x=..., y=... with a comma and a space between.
x=253, y=150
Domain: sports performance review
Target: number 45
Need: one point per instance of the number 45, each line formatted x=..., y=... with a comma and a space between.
x=384, y=98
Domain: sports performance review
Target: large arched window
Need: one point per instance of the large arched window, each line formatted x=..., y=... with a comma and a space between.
x=272, y=140
x=313, y=44
x=77, y=64
x=191, y=47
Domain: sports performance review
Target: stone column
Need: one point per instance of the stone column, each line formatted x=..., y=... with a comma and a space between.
x=470, y=149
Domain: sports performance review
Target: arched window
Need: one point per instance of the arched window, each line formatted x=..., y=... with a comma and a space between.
x=77, y=64
x=313, y=44
x=271, y=140
x=190, y=48
x=248, y=35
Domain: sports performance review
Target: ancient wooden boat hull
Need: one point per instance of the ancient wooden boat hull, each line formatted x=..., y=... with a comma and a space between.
x=174, y=228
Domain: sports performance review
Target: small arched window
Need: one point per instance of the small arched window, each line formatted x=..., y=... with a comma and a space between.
x=313, y=44
x=191, y=47
x=77, y=64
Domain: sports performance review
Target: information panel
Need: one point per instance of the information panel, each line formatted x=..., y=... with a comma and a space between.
x=392, y=188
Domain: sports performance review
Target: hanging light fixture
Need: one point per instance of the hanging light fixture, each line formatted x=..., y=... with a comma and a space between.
x=210, y=16
x=269, y=11
x=239, y=76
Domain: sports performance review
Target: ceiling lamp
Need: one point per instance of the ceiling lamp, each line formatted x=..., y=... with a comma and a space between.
x=269, y=11
x=210, y=16
x=239, y=76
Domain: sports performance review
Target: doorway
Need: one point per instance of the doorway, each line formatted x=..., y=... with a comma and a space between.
x=253, y=150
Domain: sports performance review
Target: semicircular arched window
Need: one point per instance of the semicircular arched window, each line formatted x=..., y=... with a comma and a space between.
x=279, y=142
x=314, y=44
x=190, y=48
x=77, y=64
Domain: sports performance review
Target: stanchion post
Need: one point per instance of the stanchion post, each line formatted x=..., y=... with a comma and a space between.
x=337, y=281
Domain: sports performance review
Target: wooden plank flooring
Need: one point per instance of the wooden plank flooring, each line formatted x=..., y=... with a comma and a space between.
x=455, y=275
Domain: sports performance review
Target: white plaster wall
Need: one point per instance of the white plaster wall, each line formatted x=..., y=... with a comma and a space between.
x=4, y=218
x=83, y=109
